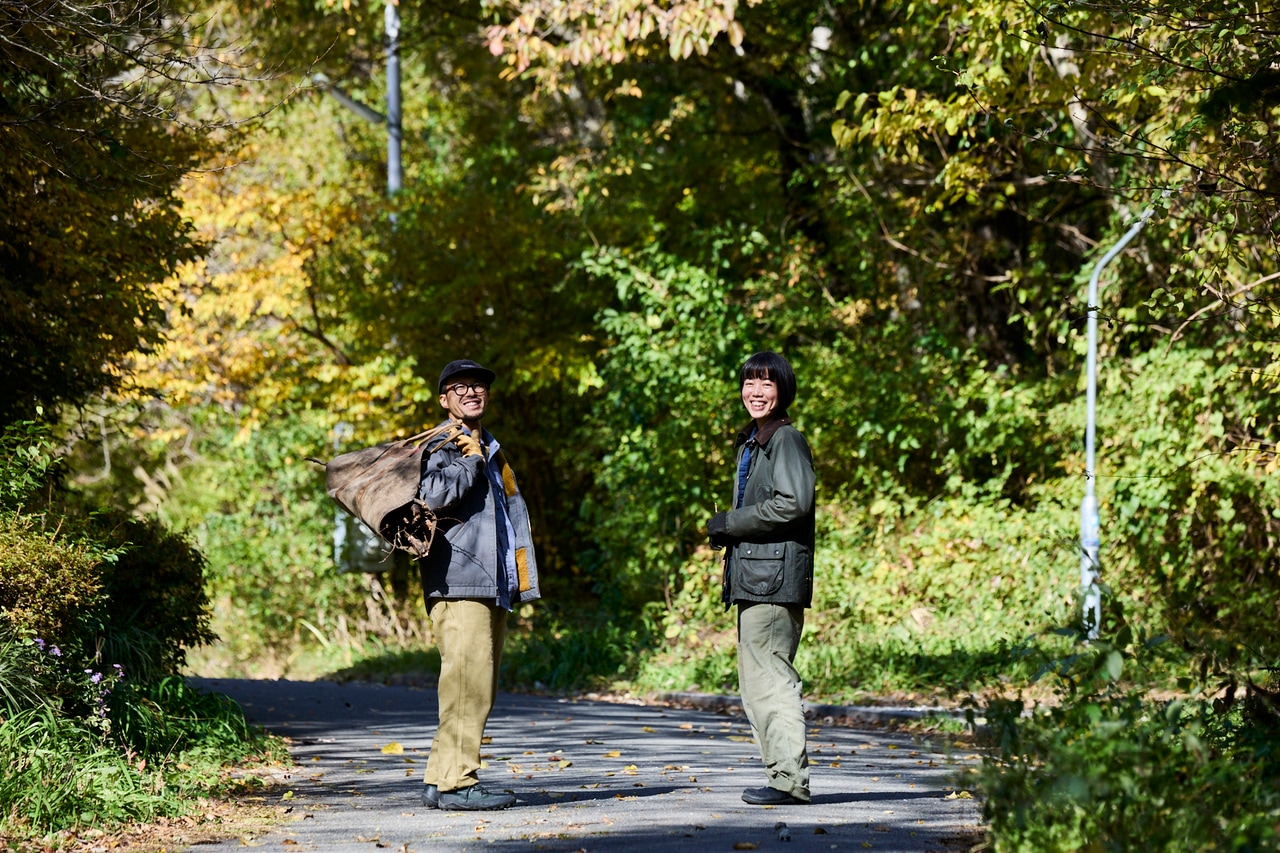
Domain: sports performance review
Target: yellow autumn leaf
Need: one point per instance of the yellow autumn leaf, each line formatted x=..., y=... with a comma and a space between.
x=393, y=748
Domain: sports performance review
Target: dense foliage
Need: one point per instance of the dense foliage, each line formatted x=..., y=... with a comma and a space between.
x=95, y=134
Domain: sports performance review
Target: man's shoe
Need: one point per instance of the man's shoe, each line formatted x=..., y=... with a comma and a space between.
x=474, y=799
x=771, y=797
x=431, y=796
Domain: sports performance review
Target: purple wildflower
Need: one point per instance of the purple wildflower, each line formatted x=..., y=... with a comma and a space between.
x=55, y=651
x=39, y=643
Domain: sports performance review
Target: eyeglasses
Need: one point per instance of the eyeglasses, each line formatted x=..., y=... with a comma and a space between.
x=461, y=388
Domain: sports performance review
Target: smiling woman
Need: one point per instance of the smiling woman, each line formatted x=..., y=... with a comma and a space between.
x=769, y=573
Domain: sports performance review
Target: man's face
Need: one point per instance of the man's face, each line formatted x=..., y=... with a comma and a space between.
x=760, y=396
x=465, y=398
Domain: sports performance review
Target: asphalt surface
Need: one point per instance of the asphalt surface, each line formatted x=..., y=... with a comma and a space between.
x=590, y=776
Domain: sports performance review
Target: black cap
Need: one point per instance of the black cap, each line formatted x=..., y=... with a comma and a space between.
x=464, y=365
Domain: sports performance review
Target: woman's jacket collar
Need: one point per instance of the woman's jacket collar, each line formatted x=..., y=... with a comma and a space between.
x=765, y=432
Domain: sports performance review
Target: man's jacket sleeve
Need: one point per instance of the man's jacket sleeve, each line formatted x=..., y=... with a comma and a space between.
x=793, y=491
x=447, y=475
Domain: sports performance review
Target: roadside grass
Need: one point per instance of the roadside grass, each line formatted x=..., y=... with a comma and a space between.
x=173, y=752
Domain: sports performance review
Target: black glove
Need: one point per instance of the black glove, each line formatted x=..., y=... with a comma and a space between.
x=718, y=531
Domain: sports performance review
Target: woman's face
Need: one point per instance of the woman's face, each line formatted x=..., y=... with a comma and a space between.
x=760, y=396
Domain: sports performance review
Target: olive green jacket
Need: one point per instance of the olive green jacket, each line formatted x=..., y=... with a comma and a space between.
x=771, y=558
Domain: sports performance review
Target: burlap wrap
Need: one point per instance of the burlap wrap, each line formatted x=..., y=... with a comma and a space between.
x=379, y=486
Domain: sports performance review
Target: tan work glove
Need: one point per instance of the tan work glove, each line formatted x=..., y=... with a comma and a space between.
x=468, y=444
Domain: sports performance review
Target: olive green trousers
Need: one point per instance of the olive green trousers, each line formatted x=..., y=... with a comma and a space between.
x=768, y=636
x=469, y=635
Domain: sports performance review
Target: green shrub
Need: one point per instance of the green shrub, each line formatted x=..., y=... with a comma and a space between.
x=1106, y=767
x=51, y=583
x=1196, y=505
x=156, y=605
x=115, y=590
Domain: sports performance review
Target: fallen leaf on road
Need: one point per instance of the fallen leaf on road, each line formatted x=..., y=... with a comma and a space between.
x=613, y=753
x=740, y=738
x=649, y=729
x=744, y=845
x=817, y=830
x=959, y=795
x=393, y=748
x=566, y=763
x=686, y=725
x=288, y=841
x=368, y=840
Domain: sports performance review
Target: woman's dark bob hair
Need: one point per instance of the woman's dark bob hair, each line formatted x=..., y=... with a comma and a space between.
x=770, y=365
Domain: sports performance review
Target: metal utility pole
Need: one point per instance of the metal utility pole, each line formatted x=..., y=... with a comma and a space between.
x=391, y=22
x=1090, y=567
x=395, y=171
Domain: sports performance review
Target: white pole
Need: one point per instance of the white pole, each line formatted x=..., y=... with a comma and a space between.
x=391, y=21
x=1090, y=567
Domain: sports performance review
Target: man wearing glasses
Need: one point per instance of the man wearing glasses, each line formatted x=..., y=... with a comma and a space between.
x=481, y=565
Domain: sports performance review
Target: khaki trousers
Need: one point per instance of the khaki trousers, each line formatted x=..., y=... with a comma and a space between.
x=469, y=635
x=768, y=636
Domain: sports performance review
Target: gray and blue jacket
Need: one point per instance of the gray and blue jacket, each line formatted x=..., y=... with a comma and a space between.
x=483, y=547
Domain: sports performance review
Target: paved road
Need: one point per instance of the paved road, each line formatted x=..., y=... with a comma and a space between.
x=590, y=776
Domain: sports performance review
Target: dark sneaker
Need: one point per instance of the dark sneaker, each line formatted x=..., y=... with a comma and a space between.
x=475, y=799
x=431, y=796
x=771, y=797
